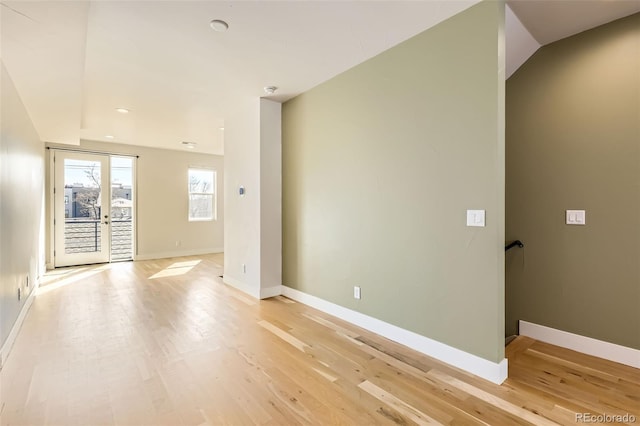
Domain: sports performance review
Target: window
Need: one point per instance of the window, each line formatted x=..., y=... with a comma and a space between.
x=202, y=185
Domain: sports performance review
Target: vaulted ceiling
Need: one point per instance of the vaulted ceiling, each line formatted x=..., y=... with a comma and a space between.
x=75, y=62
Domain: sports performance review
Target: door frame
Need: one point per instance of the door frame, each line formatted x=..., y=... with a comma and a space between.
x=52, y=150
x=103, y=221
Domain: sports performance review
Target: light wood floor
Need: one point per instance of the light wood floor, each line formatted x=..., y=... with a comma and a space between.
x=166, y=342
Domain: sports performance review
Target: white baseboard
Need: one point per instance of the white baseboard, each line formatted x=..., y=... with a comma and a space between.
x=245, y=288
x=177, y=253
x=268, y=292
x=576, y=342
x=13, y=334
x=491, y=371
x=262, y=293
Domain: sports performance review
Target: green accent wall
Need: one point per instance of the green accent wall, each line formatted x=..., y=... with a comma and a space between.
x=573, y=142
x=380, y=165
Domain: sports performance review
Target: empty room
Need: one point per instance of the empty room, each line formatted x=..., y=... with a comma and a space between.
x=319, y=212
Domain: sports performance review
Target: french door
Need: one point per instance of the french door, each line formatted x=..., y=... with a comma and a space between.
x=93, y=208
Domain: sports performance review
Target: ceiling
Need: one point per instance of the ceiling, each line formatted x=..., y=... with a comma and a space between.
x=552, y=20
x=75, y=62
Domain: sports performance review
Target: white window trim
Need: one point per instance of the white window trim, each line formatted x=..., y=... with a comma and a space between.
x=213, y=194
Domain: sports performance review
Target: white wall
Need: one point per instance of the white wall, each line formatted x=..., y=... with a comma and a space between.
x=270, y=196
x=162, y=201
x=253, y=160
x=21, y=206
x=242, y=232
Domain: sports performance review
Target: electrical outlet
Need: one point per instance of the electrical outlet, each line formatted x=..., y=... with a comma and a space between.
x=178, y=243
x=356, y=292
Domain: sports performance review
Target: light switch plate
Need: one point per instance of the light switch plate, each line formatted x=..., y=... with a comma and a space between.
x=576, y=217
x=475, y=217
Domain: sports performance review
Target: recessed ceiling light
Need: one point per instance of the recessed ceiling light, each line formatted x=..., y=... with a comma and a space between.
x=269, y=90
x=109, y=136
x=122, y=110
x=189, y=144
x=219, y=25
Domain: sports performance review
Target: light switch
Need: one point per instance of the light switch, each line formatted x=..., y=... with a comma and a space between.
x=576, y=217
x=475, y=217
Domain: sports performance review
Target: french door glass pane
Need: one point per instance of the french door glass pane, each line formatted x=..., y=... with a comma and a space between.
x=121, y=208
x=82, y=206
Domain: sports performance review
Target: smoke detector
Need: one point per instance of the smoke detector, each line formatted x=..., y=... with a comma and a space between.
x=270, y=90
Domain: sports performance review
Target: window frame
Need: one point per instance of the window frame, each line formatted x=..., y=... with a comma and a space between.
x=213, y=194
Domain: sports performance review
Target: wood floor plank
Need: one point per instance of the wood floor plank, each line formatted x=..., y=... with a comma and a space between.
x=284, y=335
x=492, y=399
x=397, y=404
x=165, y=342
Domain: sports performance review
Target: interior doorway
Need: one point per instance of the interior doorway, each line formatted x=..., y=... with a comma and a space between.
x=94, y=208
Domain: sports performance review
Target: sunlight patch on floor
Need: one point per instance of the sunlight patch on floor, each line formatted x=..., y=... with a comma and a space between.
x=175, y=269
x=60, y=278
